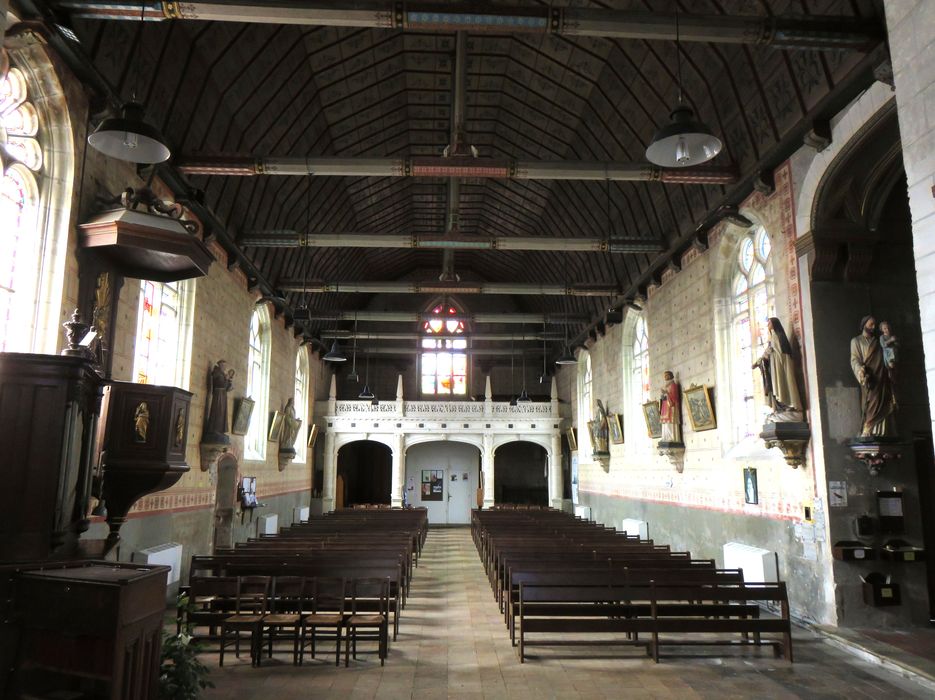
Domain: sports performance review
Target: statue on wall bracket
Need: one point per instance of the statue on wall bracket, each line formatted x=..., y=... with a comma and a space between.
x=874, y=362
x=214, y=439
x=290, y=431
x=670, y=416
x=599, y=431
x=785, y=427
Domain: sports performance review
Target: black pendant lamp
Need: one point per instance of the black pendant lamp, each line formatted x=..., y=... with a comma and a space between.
x=366, y=393
x=335, y=354
x=130, y=137
x=684, y=140
x=523, y=395
x=567, y=357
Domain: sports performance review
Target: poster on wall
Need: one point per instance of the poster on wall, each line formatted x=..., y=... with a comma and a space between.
x=574, y=478
x=432, y=484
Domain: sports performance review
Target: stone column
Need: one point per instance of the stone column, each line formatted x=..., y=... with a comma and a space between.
x=487, y=466
x=910, y=26
x=555, y=471
x=330, y=474
x=398, y=478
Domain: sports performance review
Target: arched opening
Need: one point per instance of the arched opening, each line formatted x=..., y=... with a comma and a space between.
x=225, y=501
x=521, y=474
x=364, y=472
x=442, y=476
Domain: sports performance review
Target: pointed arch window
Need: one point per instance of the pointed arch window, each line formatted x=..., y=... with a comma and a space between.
x=444, y=353
x=301, y=402
x=164, y=333
x=21, y=245
x=258, y=359
x=585, y=410
x=752, y=305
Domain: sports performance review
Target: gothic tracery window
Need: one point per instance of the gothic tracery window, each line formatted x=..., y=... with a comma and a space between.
x=444, y=354
x=585, y=378
x=638, y=385
x=20, y=239
x=752, y=305
x=258, y=360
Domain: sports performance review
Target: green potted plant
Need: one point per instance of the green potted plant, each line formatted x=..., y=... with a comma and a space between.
x=182, y=676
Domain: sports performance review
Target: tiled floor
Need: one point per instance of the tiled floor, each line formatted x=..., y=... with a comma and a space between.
x=453, y=643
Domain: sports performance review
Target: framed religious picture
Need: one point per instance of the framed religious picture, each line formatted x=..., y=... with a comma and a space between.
x=700, y=408
x=243, y=409
x=615, y=428
x=751, y=493
x=653, y=419
x=275, y=426
x=572, y=441
x=312, y=434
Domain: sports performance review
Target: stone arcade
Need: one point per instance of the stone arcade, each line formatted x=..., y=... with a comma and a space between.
x=337, y=278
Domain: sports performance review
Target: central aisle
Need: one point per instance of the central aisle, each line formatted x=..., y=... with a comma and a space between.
x=453, y=643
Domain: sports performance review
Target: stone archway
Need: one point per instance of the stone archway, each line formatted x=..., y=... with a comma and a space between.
x=521, y=470
x=364, y=469
x=225, y=500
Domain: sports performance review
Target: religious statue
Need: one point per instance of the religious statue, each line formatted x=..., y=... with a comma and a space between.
x=220, y=382
x=778, y=372
x=290, y=426
x=875, y=376
x=670, y=409
x=890, y=345
x=599, y=430
x=141, y=421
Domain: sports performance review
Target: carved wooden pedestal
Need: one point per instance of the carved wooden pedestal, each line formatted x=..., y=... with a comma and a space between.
x=144, y=432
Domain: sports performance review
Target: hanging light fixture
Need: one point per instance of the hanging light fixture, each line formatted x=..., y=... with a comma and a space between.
x=366, y=393
x=130, y=137
x=513, y=398
x=335, y=354
x=567, y=357
x=545, y=371
x=684, y=140
x=301, y=311
x=523, y=395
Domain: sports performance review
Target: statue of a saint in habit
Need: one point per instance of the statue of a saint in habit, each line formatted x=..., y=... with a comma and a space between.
x=778, y=373
x=221, y=381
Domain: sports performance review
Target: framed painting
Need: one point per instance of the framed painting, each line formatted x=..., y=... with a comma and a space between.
x=653, y=419
x=700, y=408
x=615, y=428
x=572, y=441
x=275, y=427
x=243, y=409
x=751, y=491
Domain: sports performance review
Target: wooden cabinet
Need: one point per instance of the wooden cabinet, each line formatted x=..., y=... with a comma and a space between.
x=49, y=407
x=93, y=628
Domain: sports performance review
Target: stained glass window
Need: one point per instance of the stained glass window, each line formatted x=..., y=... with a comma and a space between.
x=301, y=402
x=444, y=356
x=258, y=358
x=752, y=306
x=20, y=242
x=163, y=334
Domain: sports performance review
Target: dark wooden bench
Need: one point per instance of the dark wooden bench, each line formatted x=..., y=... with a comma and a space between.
x=671, y=609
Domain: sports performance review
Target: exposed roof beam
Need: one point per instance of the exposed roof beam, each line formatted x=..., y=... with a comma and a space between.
x=415, y=317
x=479, y=168
x=291, y=239
x=816, y=32
x=412, y=350
x=603, y=289
x=341, y=334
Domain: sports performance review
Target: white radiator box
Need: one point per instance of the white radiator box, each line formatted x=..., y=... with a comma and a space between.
x=759, y=565
x=632, y=526
x=168, y=554
x=267, y=524
x=583, y=512
x=300, y=515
